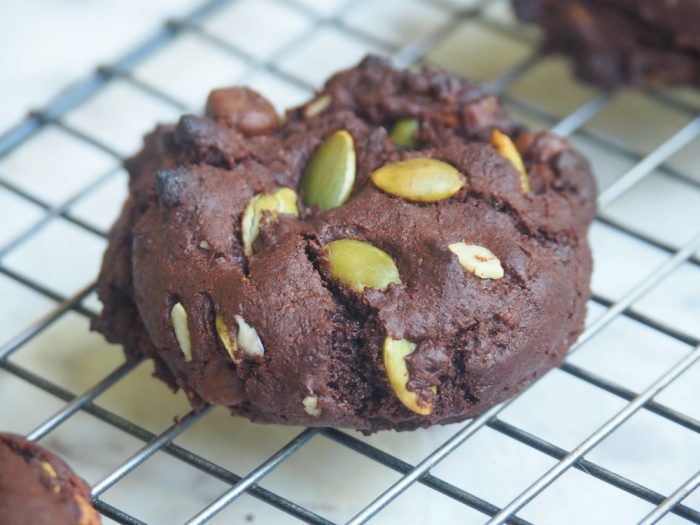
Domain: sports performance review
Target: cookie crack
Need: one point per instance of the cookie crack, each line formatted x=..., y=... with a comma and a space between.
x=542, y=236
x=354, y=328
x=459, y=349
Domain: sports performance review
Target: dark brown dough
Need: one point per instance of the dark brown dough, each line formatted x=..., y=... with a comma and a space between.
x=38, y=488
x=478, y=341
x=638, y=42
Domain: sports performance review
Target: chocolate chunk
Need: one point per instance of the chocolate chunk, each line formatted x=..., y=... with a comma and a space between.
x=170, y=186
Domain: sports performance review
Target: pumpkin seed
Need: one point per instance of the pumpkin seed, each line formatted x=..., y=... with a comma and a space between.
x=405, y=131
x=283, y=200
x=318, y=106
x=394, y=355
x=178, y=316
x=420, y=180
x=360, y=265
x=507, y=149
x=225, y=337
x=311, y=406
x=477, y=260
x=330, y=174
x=248, y=339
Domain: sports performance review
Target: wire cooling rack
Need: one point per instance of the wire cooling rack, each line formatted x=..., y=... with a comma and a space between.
x=646, y=243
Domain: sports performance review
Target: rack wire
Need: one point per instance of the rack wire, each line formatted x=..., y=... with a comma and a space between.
x=572, y=123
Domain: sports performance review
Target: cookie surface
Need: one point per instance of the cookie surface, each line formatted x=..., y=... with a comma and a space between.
x=377, y=261
x=37, y=487
x=638, y=42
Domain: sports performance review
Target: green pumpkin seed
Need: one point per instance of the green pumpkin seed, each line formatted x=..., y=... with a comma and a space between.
x=360, y=265
x=283, y=200
x=420, y=180
x=330, y=175
x=394, y=356
x=405, y=132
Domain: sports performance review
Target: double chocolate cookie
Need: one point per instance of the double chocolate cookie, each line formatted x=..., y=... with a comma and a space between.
x=639, y=42
x=396, y=253
x=38, y=488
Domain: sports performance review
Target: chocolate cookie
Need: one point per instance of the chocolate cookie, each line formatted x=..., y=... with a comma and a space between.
x=639, y=42
x=397, y=253
x=38, y=488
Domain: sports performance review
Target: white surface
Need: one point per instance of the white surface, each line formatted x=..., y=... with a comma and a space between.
x=333, y=481
x=119, y=115
x=259, y=28
x=395, y=21
x=327, y=50
x=49, y=44
x=54, y=166
x=191, y=84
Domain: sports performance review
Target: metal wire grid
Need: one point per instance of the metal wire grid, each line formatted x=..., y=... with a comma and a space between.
x=420, y=473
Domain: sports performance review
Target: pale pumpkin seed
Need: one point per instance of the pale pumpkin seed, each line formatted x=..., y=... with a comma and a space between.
x=318, y=106
x=178, y=316
x=394, y=356
x=283, y=200
x=477, y=260
x=507, y=149
x=330, y=174
x=51, y=472
x=311, y=406
x=48, y=469
x=248, y=339
x=404, y=133
x=420, y=180
x=360, y=265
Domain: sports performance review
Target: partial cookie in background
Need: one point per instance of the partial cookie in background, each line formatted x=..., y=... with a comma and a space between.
x=38, y=488
x=397, y=253
x=612, y=42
